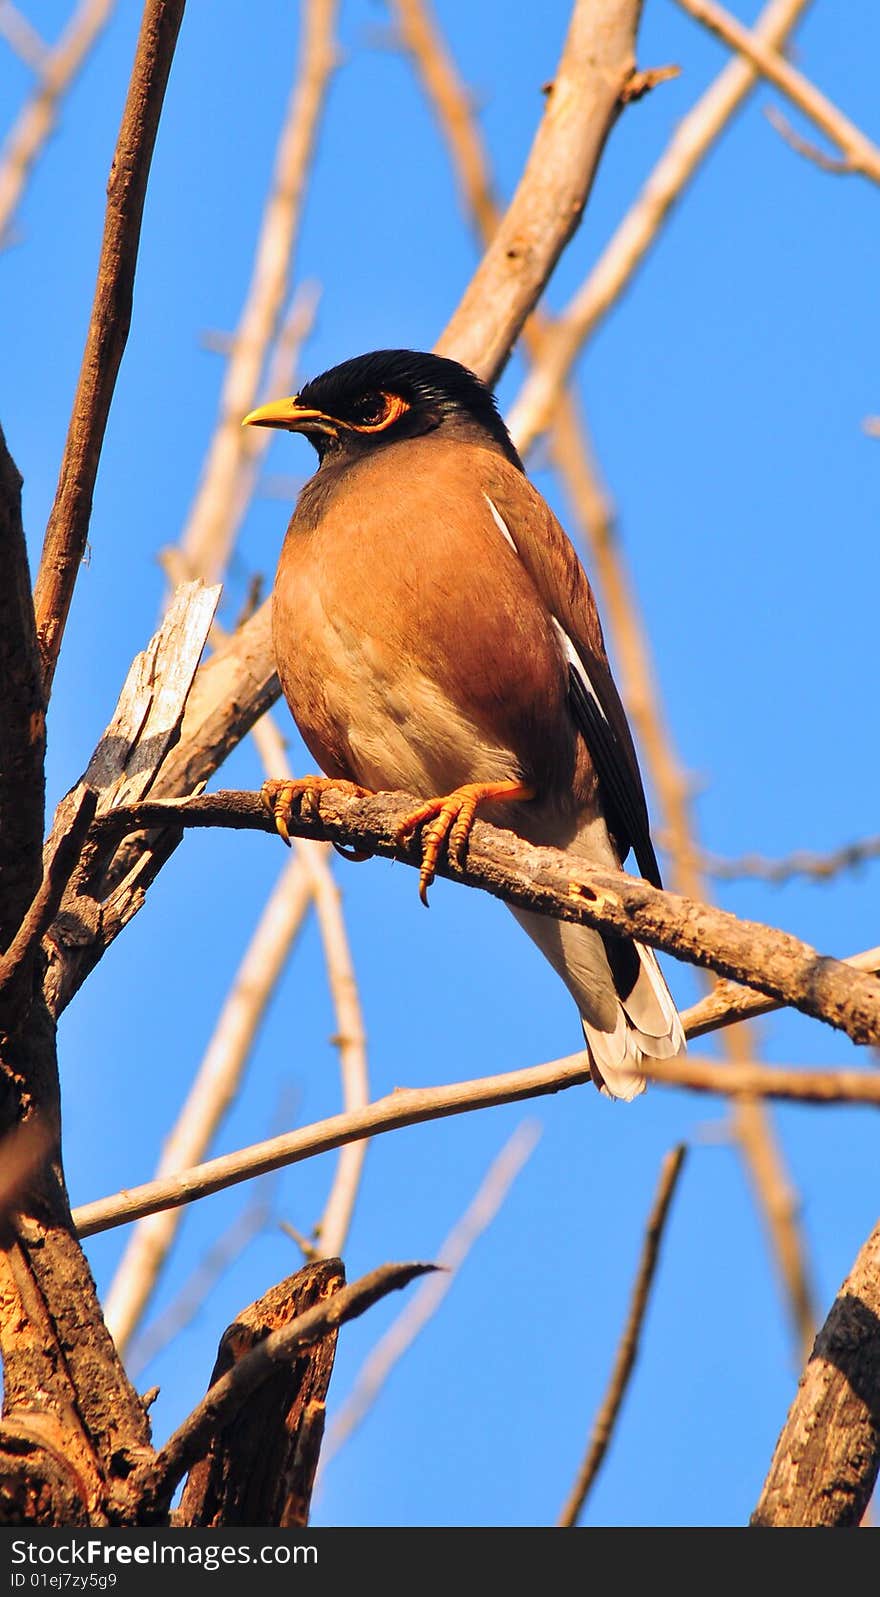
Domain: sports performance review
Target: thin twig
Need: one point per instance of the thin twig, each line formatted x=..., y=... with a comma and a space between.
x=161, y=1474
x=410, y=1106
x=640, y=228
x=838, y=165
x=207, y=538
x=57, y=68
x=628, y=1348
x=812, y=866
x=68, y=527
x=425, y=1302
x=860, y=155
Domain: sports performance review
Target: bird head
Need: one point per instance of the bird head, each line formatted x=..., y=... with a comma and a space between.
x=385, y=397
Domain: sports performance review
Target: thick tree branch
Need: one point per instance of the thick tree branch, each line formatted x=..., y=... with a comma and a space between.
x=224, y=1399
x=826, y=1460
x=22, y=721
x=68, y=527
x=548, y=881
x=75, y=815
x=109, y=883
x=260, y=1466
x=729, y=1002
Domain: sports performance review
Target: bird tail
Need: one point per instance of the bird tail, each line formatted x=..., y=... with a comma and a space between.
x=626, y=1008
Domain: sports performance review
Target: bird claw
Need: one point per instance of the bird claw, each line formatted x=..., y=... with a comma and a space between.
x=451, y=820
x=284, y=799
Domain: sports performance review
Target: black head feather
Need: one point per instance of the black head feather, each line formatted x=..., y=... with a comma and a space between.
x=437, y=393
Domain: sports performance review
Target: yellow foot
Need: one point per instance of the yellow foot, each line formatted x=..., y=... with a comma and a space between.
x=283, y=798
x=454, y=817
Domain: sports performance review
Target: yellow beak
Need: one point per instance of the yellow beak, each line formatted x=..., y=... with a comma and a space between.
x=288, y=414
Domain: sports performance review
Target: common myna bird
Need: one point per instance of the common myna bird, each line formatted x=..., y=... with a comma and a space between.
x=434, y=632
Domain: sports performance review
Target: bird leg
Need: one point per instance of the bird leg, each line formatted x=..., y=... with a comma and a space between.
x=282, y=798
x=454, y=817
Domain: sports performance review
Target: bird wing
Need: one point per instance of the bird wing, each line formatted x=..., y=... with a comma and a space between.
x=529, y=524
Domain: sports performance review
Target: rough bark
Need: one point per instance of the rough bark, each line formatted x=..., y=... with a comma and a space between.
x=826, y=1460
x=260, y=1467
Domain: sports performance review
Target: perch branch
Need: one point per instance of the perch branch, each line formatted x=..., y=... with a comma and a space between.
x=728, y=1002
x=548, y=881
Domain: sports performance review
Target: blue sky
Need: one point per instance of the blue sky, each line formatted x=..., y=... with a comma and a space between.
x=726, y=395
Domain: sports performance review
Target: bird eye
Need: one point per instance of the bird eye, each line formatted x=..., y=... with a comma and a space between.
x=376, y=411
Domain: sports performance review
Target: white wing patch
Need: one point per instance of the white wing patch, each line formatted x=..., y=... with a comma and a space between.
x=500, y=522
x=577, y=664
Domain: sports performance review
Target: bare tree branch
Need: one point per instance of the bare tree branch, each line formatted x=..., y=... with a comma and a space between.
x=207, y=537
x=825, y=1464
x=728, y=1002
x=583, y=104
x=68, y=527
x=57, y=69
x=693, y=138
x=410, y=1106
x=213, y=1089
x=108, y=885
x=74, y=817
x=350, y=1038
x=23, y=721
x=802, y=863
x=425, y=1302
x=860, y=155
x=628, y=1349
x=147, y=1344
x=188, y=1443
x=547, y=881
x=260, y=1465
